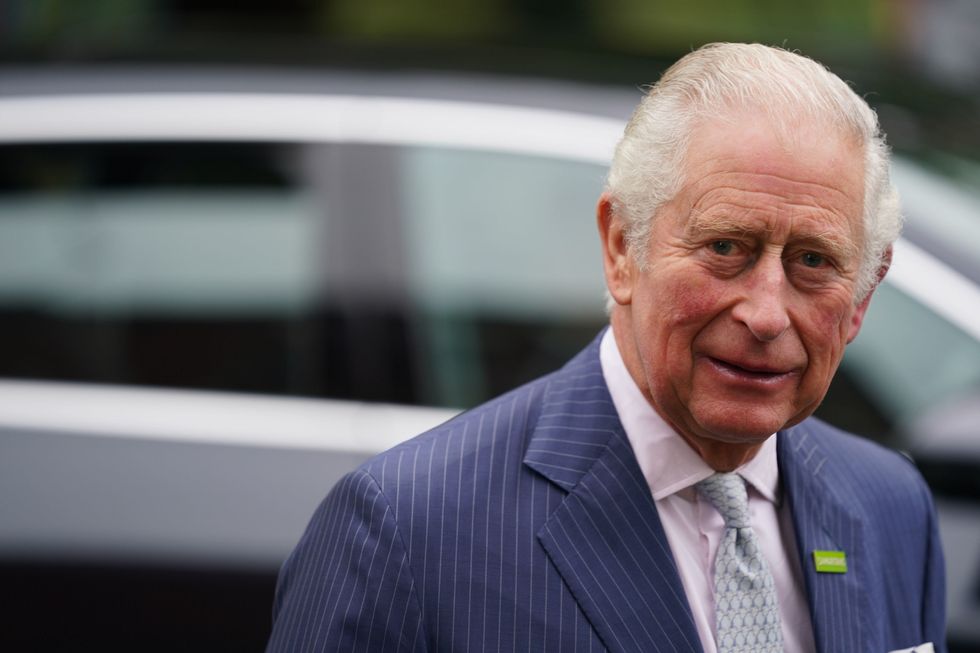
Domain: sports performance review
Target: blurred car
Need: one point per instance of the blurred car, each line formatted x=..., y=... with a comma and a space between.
x=219, y=292
x=947, y=451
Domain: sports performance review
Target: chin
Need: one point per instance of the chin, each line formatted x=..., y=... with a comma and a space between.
x=741, y=425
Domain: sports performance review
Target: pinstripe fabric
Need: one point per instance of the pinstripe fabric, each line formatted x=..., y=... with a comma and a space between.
x=526, y=525
x=851, y=495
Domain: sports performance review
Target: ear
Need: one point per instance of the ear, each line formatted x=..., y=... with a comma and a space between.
x=857, y=318
x=616, y=261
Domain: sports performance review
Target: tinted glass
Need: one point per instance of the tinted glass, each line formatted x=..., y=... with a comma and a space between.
x=395, y=274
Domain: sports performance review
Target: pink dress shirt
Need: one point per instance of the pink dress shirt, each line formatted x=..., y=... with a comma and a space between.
x=692, y=524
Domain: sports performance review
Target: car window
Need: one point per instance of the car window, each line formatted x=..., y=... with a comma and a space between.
x=406, y=274
x=505, y=271
x=496, y=232
x=941, y=214
x=127, y=230
x=909, y=359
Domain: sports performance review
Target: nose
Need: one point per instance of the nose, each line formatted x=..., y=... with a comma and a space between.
x=762, y=306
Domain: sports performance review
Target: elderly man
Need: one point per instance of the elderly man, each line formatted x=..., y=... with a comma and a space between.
x=666, y=490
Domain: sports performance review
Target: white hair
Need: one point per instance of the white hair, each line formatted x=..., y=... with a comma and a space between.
x=712, y=82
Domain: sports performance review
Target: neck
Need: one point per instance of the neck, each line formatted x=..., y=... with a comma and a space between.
x=723, y=456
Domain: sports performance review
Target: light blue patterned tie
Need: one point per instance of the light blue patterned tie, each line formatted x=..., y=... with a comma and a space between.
x=746, y=613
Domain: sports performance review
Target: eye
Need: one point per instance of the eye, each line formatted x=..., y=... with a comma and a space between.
x=813, y=260
x=723, y=247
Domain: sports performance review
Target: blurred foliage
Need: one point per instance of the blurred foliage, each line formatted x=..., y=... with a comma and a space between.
x=841, y=26
x=876, y=44
x=409, y=20
x=58, y=26
x=658, y=27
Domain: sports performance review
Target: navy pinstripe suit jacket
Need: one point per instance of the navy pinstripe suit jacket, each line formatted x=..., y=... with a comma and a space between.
x=526, y=525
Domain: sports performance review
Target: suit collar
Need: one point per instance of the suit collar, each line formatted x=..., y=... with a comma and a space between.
x=576, y=423
x=824, y=521
x=605, y=538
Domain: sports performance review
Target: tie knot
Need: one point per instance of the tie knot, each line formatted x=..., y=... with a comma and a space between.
x=727, y=494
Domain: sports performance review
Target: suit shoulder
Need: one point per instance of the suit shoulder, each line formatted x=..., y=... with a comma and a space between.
x=860, y=451
x=859, y=466
x=498, y=427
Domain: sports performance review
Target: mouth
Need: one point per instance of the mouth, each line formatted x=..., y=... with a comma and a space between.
x=744, y=371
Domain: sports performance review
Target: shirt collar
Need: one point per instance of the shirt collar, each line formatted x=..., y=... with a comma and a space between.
x=669, y=465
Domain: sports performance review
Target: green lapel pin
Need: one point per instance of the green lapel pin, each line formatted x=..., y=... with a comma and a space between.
x=830, y=562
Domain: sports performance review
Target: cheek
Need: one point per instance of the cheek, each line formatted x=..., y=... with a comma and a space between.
x=824, y=333
x=682, y=311
x=692, y=302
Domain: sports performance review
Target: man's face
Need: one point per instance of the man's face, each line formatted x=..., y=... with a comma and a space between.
x=737, y=323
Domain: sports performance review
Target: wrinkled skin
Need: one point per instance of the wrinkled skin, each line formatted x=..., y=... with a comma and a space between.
x=735, y=326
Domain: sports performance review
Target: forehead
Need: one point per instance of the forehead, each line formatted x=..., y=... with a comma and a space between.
x=745, y=167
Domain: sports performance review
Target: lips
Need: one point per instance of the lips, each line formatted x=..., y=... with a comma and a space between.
x=751, y=371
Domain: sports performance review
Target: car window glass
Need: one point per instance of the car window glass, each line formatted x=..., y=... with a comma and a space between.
x=505, y=277
x=908, y=358
x=174, y=251
x=124, y=229
x=171, y=264
x=412, y=275
x=941, y=215
x=509, y=234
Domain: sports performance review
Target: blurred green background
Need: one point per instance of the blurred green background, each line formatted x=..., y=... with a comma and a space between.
x=917, y=59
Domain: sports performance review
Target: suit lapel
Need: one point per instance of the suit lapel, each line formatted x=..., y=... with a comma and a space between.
x=839, y=603
x=605, y=538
